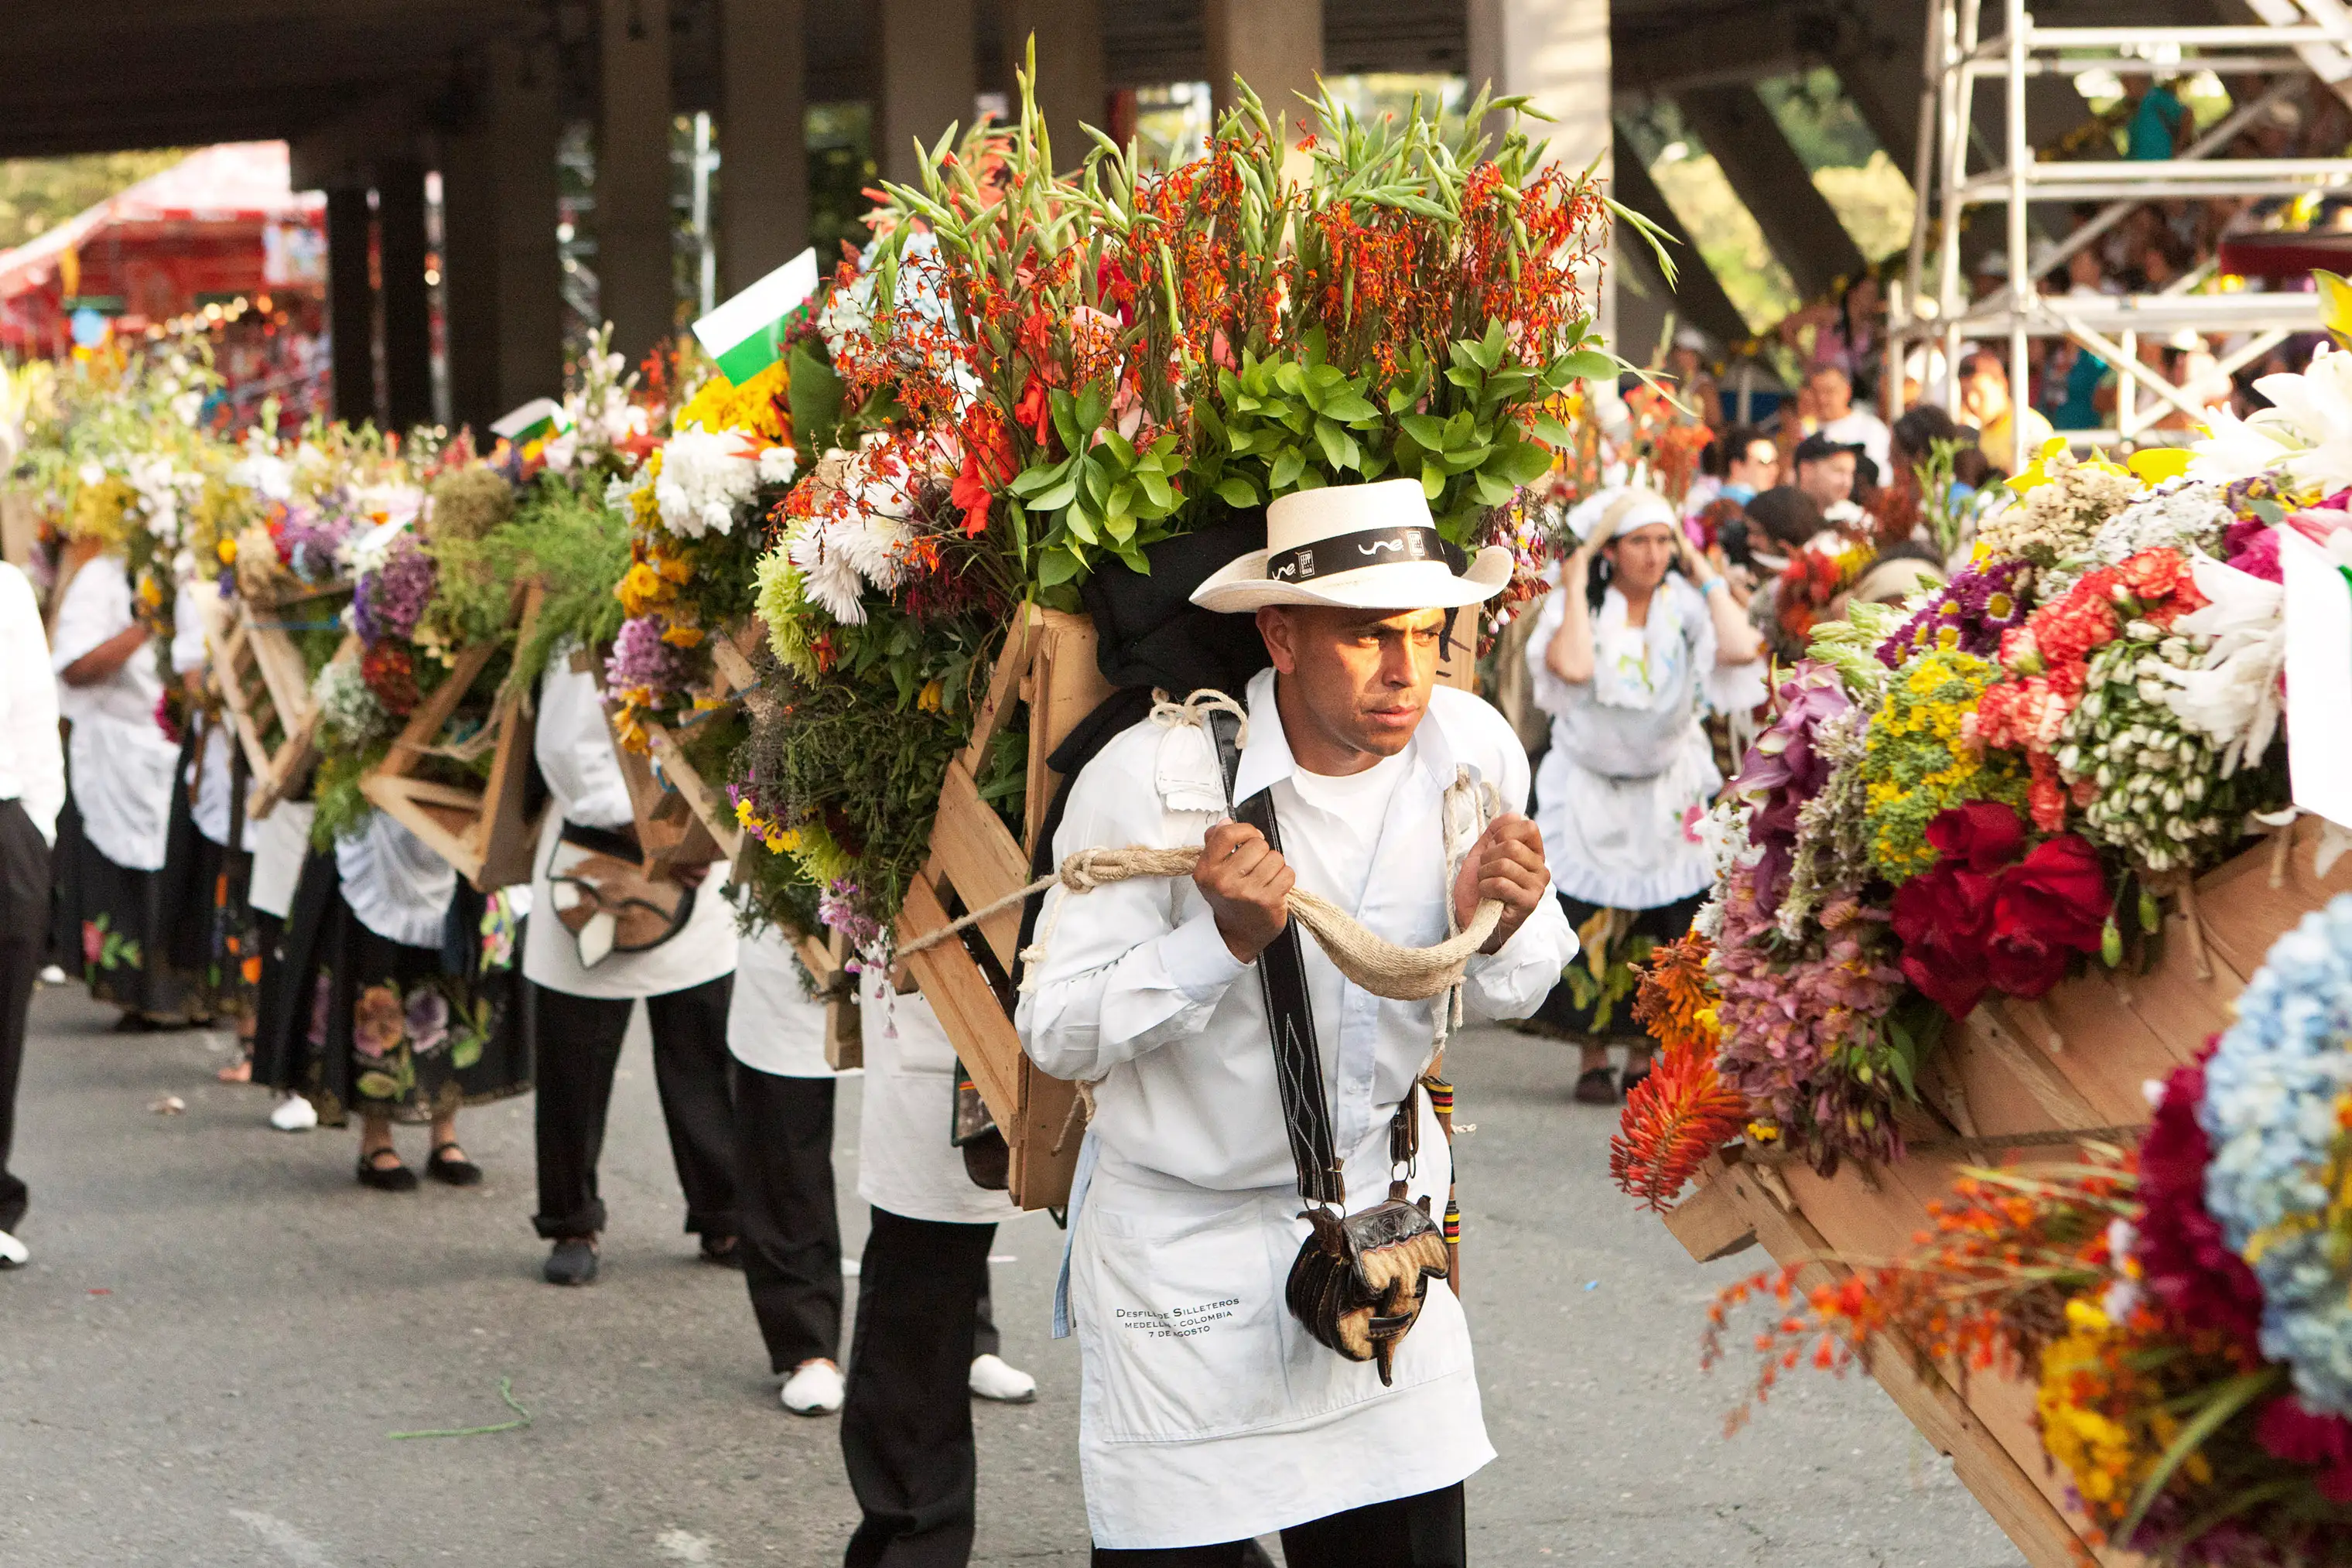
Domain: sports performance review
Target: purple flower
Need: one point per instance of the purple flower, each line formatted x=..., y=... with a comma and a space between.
x=644, y=668
x=1969, y=614
x=391, y=599
x=307, y=541
x=837, y=907
x=428, y=1016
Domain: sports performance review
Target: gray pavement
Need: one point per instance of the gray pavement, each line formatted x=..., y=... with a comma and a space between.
x=219, y=1328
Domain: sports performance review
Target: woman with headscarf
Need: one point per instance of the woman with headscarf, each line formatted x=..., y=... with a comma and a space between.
x=1640, y=641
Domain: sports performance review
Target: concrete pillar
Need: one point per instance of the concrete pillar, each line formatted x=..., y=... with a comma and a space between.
x=407, y=303
x=351, y=303
x=1276, y=46
x=763, y=176
x=639, y=288
x=1071, y=89
x=498, y=212
x=1774, y=184
x=1556, y=53
x=928, y=78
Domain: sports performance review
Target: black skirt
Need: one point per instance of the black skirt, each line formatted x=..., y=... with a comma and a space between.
x=114, y=925
x=363, y=1025
x=212, y=934
x=1597, y=1008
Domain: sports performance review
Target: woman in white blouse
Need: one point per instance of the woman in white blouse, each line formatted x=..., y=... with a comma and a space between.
x=1628, y=657
x=119, y=766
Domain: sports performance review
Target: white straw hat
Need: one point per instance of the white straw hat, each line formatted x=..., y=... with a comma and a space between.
x=1355, y=547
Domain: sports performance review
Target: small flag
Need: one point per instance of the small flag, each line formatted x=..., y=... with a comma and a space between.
x=743, y=334
x=540, y=416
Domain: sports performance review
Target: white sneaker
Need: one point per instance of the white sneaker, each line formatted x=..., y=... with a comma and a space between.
x=294, y=1115
x=992, y=1377
x=815, y=1388
x=52, y=976
x=13, y=1252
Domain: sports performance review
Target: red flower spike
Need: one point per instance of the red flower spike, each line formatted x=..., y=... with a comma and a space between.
x=1672, y=1120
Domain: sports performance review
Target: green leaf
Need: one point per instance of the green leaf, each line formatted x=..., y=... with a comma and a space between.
x=2226, y=1401
x=1092, y=405
x=1432, y=480
x=1523, y=463
x=1590, y=365
x=1349, y=407
x=1059, y=566
x=1060, y=496
x=1426, y=428
x=1029, y=481
x=1236, y=491
x=1493, y=489
x=1156, y=491
x=1339, y=448
x=1287, y=469
x=1066, y=420
x=466, y=1053
x=1552, y=431
x=378, y=1086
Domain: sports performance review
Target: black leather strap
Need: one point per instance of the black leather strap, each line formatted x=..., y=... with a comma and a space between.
x=1290, y=1016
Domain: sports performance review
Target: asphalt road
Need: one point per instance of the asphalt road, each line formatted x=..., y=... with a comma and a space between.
x=219, y=1329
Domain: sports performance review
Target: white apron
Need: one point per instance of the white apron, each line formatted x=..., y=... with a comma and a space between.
x=1207, y=1413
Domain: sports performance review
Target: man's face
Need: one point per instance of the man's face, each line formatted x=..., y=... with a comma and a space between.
x=1833, y=396
x=1362, y=676
x=1983, y=399
x=1827, y=480
x=1757, y=467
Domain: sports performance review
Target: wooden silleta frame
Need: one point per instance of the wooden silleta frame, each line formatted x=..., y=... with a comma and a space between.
x=484, y=833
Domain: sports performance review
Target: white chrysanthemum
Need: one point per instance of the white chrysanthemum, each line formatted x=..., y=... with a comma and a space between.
x=828, y=576
x=704, y=478
x=778, y=465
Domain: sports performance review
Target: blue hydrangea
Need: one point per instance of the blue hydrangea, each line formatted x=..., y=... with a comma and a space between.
x=2270, y=1096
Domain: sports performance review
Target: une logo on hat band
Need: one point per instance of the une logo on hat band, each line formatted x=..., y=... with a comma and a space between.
x=1347, y=552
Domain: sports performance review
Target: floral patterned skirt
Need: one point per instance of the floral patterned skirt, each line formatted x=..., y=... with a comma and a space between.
x=1594, y=999
x=363, y=1025
x=113, y=924
x=212, y=937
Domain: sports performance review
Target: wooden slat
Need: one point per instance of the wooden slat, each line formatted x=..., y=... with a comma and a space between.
x=845, y=1023
x=436, y=813
x=1045, y=1154
x=1065, y=686
x=974, y=1020
x=1983, y=1463
x=1004, y=684
x=1709, y=1224
x=707, y=804
x=979, y=857
x=415, y=738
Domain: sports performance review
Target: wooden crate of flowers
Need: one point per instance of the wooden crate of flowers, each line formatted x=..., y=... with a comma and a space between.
x=2008, y=863
x=1040, y=377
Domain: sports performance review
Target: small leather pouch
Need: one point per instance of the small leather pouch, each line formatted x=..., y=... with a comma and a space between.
x=600, y=894
x=1358, y=1281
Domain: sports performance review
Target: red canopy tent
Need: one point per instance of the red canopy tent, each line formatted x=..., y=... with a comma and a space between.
x=222, y=223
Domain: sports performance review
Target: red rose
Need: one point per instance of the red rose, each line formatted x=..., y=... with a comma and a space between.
x=2049, y=908
x=1985, y=835
x=1943, y=918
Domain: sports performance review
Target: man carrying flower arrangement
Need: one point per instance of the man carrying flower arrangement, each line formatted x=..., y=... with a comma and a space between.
x=1211, y=1413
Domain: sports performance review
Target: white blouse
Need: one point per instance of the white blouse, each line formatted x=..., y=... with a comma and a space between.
x=123, y=762
x=32, y=764
x=397, y=886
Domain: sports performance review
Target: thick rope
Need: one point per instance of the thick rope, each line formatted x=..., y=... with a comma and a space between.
x=1373, y=962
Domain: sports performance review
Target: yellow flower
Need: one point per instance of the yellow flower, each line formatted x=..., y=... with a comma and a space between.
x=928, y=699
x=226, y=550
x=2335, y=305
x=1764, y=1132
x=2156, y=464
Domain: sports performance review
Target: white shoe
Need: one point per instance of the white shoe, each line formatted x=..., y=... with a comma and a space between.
x=13, y=1252
x=992, y=1377
x=52, y=976
x=815, y=1388
x=294, y=1115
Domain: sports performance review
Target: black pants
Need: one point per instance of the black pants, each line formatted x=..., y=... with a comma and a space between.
x=1424, y=1531
x=790, y=1229
x=24, y=938
x=579, y=1046
x=906, y=1424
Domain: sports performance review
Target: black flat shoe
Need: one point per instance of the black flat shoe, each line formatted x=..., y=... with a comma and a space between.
x=1597, y=1086
x=573, y=1262
x=722, y=1251
x=450, y=1165
x=1632, y=1081
x=393, y=1177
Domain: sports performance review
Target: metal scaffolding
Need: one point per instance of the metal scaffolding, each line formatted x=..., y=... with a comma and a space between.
x=2298, y=39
